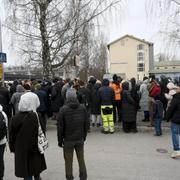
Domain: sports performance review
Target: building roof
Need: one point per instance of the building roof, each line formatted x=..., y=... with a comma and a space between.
x=166, y=63
x=132, y=37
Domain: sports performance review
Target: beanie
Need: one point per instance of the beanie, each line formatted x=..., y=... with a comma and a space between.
x=71, y=94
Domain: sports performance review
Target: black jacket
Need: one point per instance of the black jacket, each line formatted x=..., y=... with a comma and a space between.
x=95, y=106
x=5, y=101
x=72, y=122
x=129, y=107
x=23, y=141
x=173, y=112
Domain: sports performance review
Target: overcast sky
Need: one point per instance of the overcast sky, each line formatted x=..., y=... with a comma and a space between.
x=133, y=21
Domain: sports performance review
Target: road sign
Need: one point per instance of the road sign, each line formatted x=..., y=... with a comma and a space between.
x=3, y=57
x=1, y=72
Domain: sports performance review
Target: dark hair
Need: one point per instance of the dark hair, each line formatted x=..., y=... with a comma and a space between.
x=144, y=78
x=115, y=77
x=27, y=87
x=105, y=82
x=125, y=85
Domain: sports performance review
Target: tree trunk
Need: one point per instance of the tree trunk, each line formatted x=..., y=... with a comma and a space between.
x=46, y=59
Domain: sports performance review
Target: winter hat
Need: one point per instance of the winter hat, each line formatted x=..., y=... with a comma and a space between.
x=19, y=88
x=171, y=86
x=37, y=86
x=71, y=94
x=115, y=77
x=105, y=82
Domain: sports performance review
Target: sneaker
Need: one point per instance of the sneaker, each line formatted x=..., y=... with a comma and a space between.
x=175, y=154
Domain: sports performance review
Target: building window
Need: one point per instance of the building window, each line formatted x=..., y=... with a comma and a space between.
x=140, y=67
x=140, y=56
x=140, y=47
x=122, y=43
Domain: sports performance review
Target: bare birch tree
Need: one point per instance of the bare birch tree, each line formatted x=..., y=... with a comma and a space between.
x=48, y=32
x=167, y=14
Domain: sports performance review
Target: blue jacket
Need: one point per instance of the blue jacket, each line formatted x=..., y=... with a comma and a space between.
x=43, y=100
x=106, y=95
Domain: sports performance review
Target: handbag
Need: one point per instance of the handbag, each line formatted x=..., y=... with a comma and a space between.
x=42, y=140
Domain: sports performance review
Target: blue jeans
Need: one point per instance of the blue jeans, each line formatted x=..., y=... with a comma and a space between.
x=157, y=125
x=146, y=114
x=175, y=131
x=28, y=178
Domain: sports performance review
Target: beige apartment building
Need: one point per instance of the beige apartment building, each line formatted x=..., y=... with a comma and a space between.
x=130, y=57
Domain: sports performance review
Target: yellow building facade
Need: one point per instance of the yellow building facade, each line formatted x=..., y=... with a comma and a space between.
x=130, y=57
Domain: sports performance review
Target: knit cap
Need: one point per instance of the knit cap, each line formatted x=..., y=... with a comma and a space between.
x=71, y=94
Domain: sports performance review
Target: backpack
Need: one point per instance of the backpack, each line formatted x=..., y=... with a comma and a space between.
x=3, y=128
x=155, y=90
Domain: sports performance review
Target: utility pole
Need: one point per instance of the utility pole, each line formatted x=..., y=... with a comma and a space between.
x=1, y=65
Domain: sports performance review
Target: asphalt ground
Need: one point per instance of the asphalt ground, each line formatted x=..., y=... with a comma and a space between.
x=119, y=156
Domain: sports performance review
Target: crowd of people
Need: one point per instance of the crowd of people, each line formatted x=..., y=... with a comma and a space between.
x=77, y=107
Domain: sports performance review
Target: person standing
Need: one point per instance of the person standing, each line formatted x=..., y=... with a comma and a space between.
x=23, y=141
x=56, y=97
x=173, y=114
x=42, y=109
x=157, y=115
x=5, y=100
x=95, y=105
x=3, y=139
x=144, y=99
x=129, y=110
x=16, y=98
x=117, y=87
x=106, y=99
x=72, y=129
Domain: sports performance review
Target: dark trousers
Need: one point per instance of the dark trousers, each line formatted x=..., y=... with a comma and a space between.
x=146, y=115
x=117, y=107
x=68, y=157
x=2, y=148
x=129, y=126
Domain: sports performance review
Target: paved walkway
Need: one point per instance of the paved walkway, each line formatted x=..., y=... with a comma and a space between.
x=112, y=157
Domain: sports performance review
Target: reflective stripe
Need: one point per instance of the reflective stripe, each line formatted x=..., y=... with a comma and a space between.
x=108, y=123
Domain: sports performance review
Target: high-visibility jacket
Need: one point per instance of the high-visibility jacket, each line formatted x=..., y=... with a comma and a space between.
x=117, y=90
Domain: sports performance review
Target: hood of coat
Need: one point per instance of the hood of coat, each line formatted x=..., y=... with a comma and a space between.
x=125, y=85
x=97, y=86
x=146, y=81
x=19, y=88
x=1, y=108
x=72, y=103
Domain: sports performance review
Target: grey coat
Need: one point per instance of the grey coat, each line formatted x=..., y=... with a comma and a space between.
x=16, y=97
x=144, y=94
